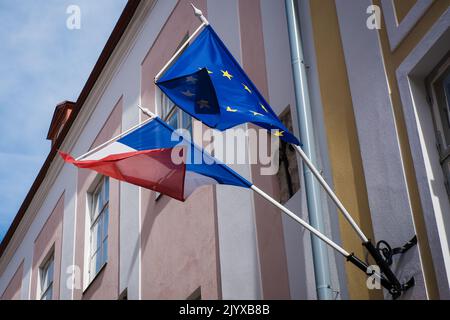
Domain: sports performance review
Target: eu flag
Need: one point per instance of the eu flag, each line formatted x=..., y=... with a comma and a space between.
x=209, y=84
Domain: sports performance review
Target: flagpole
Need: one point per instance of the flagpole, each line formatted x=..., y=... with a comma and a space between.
x=198, y=13
x=350, y=257
x=331, y=193
x=183, y=46
x=308, y=162
x=115, y=138
x=283, y=208
x=373, y=251
x=301, y=221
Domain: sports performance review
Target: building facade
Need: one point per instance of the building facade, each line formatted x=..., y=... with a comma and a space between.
x=379, y=83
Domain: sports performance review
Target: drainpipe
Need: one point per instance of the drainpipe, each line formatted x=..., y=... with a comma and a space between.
x=319, y=249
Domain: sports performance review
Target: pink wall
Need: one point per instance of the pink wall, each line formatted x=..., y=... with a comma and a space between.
x=106, y=284
x=272, y=254
x=49, y=239
x=179, y=240
x=14, y=287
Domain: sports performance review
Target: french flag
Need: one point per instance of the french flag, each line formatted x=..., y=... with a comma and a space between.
x=156, y=157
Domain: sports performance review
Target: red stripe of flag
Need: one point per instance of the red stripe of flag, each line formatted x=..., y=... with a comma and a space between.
x=150, y=169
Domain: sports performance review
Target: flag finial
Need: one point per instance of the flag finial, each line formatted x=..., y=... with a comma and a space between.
x=147, y=112
x=199, y=14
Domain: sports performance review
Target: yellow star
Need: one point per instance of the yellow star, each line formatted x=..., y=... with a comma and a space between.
x=247, y=88
x=278, y=133
x=226, y=74
x=264, y=108
x=256, y=113
x=209, y=71
x=231, y=110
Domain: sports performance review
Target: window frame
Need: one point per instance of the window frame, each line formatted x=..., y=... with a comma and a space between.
x=292, y=179
x=43, y=271
x=168, y=109
x=440, y=74
x=98, y=218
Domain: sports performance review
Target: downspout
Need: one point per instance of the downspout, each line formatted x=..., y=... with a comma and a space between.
x=303, y=105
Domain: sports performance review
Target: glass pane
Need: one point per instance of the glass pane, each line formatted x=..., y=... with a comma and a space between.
x=97, y=206
x=50, y=272
x=187, y=123
x=167, y=106
x=100, y=200
x=92, y=267
x=94, y=207
x=46, y=274
x=447, y=97
x=441, y=113
x=44, y=280
x=48, y=294
x=95, y=237
x=98, y=227
x=446, y=167
x=163, y=106
x=106, y=194
x=105, y=250
x=105, y=223
x=173, y=121
x=98, y=262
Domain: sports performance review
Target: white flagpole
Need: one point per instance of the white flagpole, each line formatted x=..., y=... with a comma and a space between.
x=198, y=13
x=284, y=209
x=350, y=256
x=308, y=162
x=301, y=221
x=331, y=193
x=184, y=45
x=115, y=138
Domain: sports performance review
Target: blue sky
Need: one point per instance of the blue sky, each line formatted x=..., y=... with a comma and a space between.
x=42, y=63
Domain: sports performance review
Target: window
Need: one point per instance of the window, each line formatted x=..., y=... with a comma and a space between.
x=174, y=116
x=440, y=103
x=196, y=295
x=170, y=113
x=99, y=214
x=124, y=295
x=288, y=174
x=46, y=279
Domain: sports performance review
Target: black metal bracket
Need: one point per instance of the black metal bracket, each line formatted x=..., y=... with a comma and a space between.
x=383, y=259
x=382, y=254
x=387, y=252
x=367, y=270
